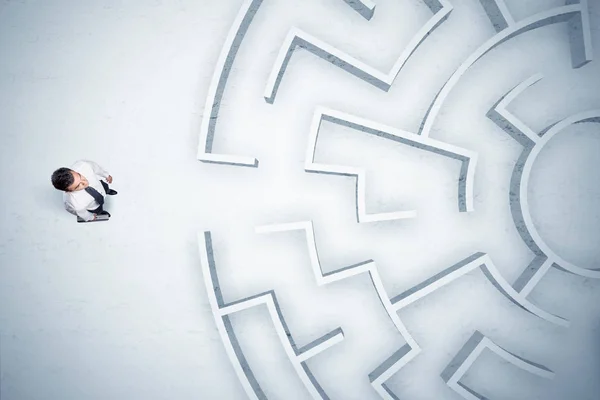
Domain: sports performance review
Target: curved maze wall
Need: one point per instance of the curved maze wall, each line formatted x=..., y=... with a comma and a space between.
x=383, y=368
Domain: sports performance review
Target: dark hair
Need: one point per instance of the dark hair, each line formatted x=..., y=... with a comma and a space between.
x=62, y=179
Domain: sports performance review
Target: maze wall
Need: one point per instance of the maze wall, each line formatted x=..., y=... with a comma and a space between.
x=324, y=304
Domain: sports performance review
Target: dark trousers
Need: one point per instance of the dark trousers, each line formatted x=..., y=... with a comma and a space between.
x=100, y=210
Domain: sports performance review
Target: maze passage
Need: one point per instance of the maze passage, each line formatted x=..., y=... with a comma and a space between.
x=467, y=158
x=297, y=38
x=465, y=358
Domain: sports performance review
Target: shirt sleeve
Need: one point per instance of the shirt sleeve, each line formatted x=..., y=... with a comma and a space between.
x=98, y=170
x=76, y=208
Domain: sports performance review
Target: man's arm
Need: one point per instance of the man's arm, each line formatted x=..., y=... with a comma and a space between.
x=98, y=170
x=75, y=208
x=85, y=215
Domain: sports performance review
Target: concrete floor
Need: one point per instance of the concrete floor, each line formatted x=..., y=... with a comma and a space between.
x=120, y=309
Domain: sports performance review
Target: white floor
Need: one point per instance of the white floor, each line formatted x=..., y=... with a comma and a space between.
x=119, y=309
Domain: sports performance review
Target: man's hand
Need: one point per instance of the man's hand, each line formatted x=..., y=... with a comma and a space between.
x=95, y=216
x=109, y=179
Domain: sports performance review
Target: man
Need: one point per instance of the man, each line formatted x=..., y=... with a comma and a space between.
x=84, y=191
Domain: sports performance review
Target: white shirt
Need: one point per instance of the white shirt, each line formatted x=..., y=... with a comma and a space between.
x=80, y=201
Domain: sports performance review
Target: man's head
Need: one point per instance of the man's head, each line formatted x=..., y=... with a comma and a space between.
x=67, y=180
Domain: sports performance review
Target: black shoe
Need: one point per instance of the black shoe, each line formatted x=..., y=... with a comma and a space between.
x=111, y=192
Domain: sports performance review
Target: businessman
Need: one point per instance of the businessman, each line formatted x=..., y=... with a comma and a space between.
x=84, y=191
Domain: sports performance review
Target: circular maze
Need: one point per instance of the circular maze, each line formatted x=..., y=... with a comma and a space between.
x=331, y=281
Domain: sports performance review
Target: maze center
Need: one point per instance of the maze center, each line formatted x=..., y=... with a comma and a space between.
x=564, y=193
